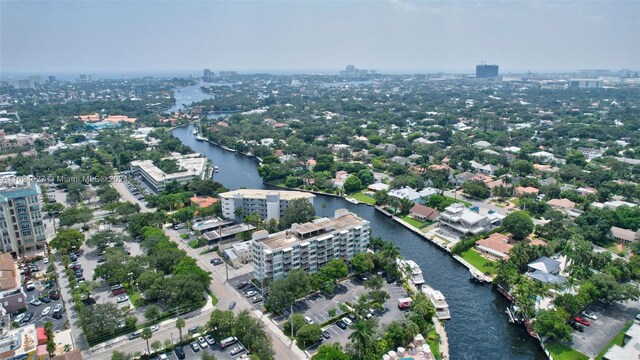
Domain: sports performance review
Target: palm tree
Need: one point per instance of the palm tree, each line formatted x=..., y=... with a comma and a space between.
x=361, y=336
x=180, y=325
x=146, y=335
x=390, y=251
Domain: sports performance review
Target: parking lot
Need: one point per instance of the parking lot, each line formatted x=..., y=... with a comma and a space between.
x=610, y=321
x=215, y=349
x=317, y=308
x=41, y=292
x=246, y=279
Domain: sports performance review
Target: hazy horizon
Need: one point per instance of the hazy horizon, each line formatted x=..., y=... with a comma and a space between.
x=297, y=37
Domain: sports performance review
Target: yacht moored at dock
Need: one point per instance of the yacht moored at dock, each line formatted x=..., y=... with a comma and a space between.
x=439, y=302
x=412, y=271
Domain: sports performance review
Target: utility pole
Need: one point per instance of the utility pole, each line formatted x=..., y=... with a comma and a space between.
x=291, y=325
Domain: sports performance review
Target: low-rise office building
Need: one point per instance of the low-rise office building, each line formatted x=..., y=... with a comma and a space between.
x=309, y=246
x=267, y=203
x=190, y=166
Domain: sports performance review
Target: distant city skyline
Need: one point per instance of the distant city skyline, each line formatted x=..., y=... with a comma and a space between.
x=53, y=38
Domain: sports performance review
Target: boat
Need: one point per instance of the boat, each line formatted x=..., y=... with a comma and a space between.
x=201, y=138
x=411, y=270
x=352, y=200
x=215, y=168
x=439, y=302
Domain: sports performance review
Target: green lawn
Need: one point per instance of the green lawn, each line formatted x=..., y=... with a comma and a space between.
x=434, y=343
x=563, y=352
x=363, y=198
x=616, y=340
x=515, y=201
x=214, y=299
x=478, y=262
x=466, y=203
x=415, y=223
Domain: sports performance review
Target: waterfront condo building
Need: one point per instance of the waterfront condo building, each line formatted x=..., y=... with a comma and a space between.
x=21, y=227
x=190, y=167
x=309, y=246
x=269, y=204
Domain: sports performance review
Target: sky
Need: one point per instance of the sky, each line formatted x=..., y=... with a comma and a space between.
x=317, y=36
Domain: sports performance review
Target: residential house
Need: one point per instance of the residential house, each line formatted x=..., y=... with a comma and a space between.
x=546, y=270
x=624, y=236
x=548, y=182
x=525, y=191
x=561, y=204
x=399, y=159
x=412, y=194
x=496, y=245
x=482, y=144
x=378, y=187
x=462, y=178
x=461, y=221
x=423, y=213
x=630, y=348
x=484, y=169
x=340, y=179
x=544, y=156
x=590, y=153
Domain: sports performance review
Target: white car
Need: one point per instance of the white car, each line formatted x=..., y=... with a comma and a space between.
x=122, y=298
x=46, y=311
x=57, y=308
x=590, y=315
x=35, y=302
x=46, y=260
x=154, y=328
x=251, y=293
x=19, y=317
x=308, y=320
x=202, y=342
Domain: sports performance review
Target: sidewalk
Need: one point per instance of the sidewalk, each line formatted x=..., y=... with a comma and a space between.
x=275, y=330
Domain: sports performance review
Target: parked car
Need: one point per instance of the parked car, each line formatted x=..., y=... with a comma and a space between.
x=589, y=314
x=582, y=321
x=54, y=295
x=19, y=318
x=28, y=317
x=576, y=326
x=35, y=302
x=179, y=351
x=209, y=339
x=57, y=308
x=45, y=261
x=45, y=299
x=325, y=334
x=101, y=260
x=30, y=286
x=193, y=330
x=242, y=285
x=122, y=298
x=347, y=321
x=308, y=320
x=135, y=335
x=178, y=226
x=236, y=350
x=57, y=315
x=341, y=324
x=233, y=304
x=154, y=328
x=119, y=291
x=194, y=346
x=256, y=299
x=216, y=261
x=251, y=293
x=202, y=342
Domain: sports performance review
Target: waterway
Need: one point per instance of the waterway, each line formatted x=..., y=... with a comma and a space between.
x=187, y=95
x=478, y=329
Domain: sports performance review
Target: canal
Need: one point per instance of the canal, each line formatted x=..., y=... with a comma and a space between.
x=478, y=328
